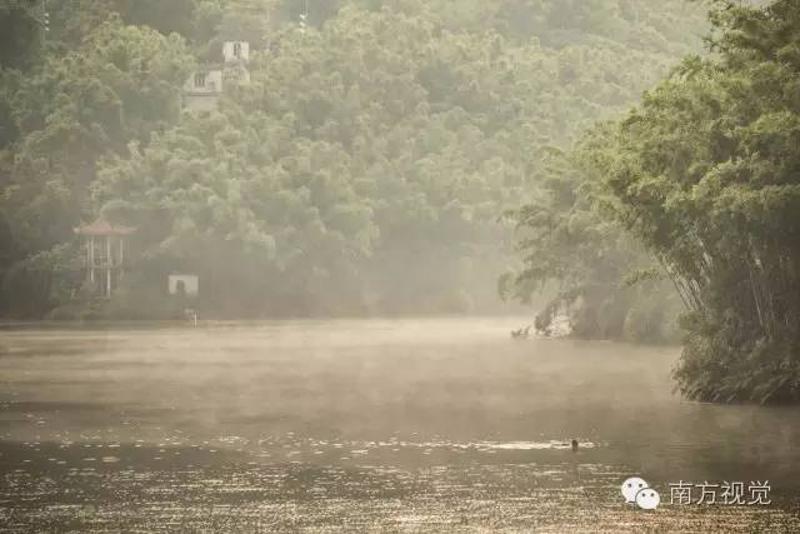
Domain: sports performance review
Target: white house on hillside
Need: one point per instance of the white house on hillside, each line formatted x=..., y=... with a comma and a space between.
x=236, y=51
x=204, y=87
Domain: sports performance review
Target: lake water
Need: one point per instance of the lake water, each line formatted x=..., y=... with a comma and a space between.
x=439, y=425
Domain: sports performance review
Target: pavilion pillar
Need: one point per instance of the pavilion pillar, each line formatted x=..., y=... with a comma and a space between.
x=121, y=257
x=91, y=259
x=109, y=265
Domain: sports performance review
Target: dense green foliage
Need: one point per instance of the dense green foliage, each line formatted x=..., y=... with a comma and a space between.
x=363, y=166
x=118, y=83
x=361, y=170
x=596, y=274
x=706, y=174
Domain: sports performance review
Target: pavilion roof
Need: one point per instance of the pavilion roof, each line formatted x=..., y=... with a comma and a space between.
x=102, y=227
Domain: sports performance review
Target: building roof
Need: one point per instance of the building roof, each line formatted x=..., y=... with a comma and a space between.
x=102, y=227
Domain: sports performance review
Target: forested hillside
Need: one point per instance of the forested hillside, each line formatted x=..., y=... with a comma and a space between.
x=361, y=170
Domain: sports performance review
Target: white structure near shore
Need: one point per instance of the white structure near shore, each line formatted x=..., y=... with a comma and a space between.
x=183, y=284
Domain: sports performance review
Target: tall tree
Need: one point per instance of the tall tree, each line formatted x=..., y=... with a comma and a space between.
x=705, y=174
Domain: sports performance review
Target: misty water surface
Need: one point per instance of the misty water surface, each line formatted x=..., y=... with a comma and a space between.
x=382, y=425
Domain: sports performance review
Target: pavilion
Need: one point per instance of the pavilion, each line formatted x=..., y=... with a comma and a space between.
x=104, y=243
